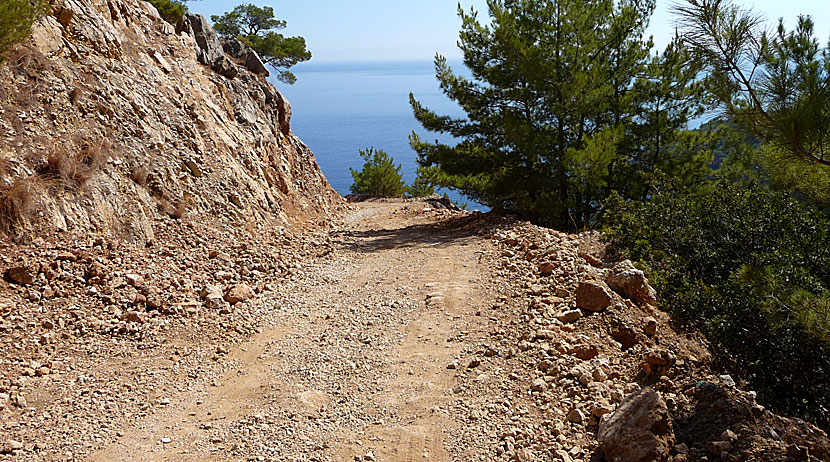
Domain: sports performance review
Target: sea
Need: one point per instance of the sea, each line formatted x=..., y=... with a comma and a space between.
x=340, y=108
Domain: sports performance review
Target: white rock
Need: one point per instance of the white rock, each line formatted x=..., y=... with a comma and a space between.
x=569, y=316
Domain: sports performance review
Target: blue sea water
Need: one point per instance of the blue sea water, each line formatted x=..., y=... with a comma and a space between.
x=339, y=109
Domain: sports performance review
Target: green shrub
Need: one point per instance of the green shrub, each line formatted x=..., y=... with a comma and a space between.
x=421, y=186
x=16, y=19
x=750, y=268
x=379, y=176
x=171, y=11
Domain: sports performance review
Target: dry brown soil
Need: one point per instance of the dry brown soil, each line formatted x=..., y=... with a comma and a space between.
x=351, y=361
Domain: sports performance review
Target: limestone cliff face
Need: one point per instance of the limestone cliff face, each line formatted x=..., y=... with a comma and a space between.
x=168, y=133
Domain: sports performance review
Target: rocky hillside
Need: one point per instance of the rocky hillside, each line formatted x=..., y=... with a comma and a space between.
x=150, y=191
x=109, y=118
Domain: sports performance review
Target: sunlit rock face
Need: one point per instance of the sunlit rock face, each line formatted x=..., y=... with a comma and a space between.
x=170, y=130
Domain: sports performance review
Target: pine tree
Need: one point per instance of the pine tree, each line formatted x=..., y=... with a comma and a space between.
x=379, y=176
x=171, y=11
x=258, y=28
x=422, y=184
x=554, y=119
x=776, y=85
x=666, y=97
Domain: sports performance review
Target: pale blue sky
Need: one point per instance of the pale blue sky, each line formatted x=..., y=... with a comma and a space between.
x=410, y=30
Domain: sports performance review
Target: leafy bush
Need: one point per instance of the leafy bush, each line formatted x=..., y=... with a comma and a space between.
x=750, y=268
x=16, y=19
x=171, y=11
x=379, y=176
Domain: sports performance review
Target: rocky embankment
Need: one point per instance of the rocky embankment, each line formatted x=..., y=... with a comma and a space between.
x=110, y=117
x=150, y=189
x=608, y=377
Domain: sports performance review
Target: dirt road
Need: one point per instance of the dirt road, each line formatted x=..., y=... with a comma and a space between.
x=404, y=333
x=357, y=360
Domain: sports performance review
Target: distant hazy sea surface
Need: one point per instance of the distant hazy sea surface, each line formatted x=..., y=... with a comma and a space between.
x=339, y=109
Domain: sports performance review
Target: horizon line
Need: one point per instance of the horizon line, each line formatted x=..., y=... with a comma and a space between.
x=372, y=61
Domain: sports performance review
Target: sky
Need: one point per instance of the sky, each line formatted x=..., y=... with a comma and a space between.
x=414, y=30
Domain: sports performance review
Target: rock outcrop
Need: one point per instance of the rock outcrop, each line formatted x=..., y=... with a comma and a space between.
x=209, y=50
x=160, y=120
x=248, y=57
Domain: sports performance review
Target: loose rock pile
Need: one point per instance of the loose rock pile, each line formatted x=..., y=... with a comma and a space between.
x=76, y=313
x=590, y=369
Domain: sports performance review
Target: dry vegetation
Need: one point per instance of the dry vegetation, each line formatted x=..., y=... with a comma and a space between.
x=176, y=210
x=30, y=64
x=73, y=167
x=64, y=168
x=173, y=208
x=17, y=203
x=139, y=175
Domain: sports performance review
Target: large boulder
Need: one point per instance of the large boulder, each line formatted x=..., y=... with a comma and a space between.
x=210, y=48
x=592, y=296
x=639, y=430
x=254, y=64
x=23, y=274
x=251, y=59
x=631, y=283
x=235, y=48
